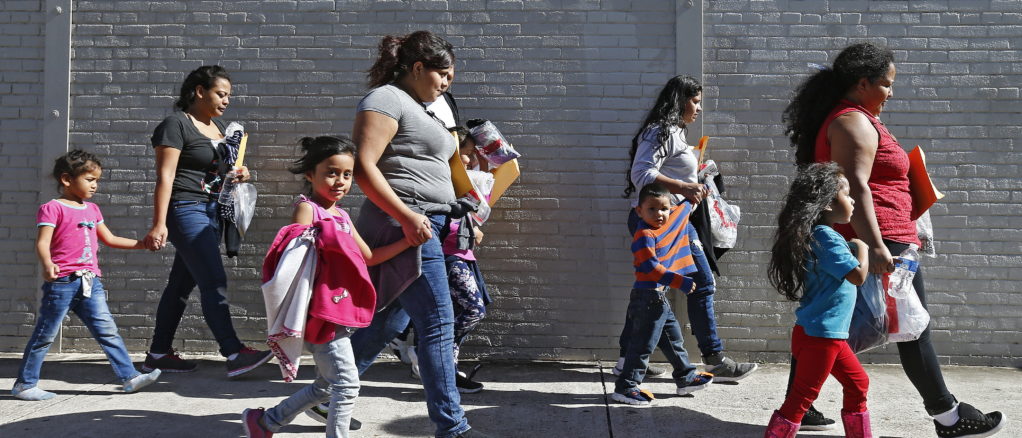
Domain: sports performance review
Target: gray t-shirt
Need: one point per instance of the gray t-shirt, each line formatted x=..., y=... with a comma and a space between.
x=415, y=163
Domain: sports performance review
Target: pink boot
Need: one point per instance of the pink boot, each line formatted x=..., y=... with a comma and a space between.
x=780, y=427
x=856, y=424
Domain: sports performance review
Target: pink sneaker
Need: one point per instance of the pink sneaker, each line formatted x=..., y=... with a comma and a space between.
x=250, y=419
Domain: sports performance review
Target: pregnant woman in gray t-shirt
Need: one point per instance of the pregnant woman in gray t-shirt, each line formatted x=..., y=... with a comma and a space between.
x=403, y=153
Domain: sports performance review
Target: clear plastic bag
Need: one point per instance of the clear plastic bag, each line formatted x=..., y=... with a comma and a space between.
x=244, y=206
x=482, y=185
x=724, y=216
x=910, y=318
x=924, y=229
x=868, y=329
x=490, y=143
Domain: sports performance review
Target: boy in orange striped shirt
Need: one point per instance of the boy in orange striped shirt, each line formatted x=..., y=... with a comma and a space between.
x=662, y=258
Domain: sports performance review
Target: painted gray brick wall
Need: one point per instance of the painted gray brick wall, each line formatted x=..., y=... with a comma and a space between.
x=21, y=97
x=569, y=82
x=959, y=67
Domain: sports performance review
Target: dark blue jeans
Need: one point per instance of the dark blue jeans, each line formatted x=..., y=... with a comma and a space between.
x=194, y=230
x=427, y=302
x=700, y=302
x=653, y=321
x=59, y=297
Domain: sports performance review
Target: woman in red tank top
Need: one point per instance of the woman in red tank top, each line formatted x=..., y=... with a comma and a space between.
x=834, y=117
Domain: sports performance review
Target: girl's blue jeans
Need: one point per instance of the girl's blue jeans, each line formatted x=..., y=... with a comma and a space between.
x=700, y=302
x=194, y=230
x=428, y=303
x=336, y=382
x=60, y=296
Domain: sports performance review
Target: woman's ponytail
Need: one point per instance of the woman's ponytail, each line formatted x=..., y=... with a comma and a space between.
x=386, y=67
x=819, y=94
x=398, y=54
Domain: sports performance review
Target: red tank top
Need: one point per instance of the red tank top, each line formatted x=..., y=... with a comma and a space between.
x=888, y=180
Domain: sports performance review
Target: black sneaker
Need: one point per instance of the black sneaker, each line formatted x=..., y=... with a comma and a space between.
x=247, y=360
x=972, y=423
x=815, y=420
x=320, y=414
x=169, y=363
x=466, y=385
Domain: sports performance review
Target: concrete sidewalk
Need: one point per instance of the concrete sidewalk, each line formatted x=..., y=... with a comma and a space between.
x=558, y=399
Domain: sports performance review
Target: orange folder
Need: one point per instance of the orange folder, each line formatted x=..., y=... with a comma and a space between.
x=703, y=142
x=924, y=193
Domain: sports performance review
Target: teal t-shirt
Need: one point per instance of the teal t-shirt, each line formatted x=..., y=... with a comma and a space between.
x=825, y=310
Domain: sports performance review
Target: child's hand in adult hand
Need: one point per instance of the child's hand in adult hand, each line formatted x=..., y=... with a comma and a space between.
x=51, y=271
x=417, y=229
x=156, y=239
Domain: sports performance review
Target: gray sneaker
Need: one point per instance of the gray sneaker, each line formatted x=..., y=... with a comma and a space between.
x=651, y=370
x=728, y=370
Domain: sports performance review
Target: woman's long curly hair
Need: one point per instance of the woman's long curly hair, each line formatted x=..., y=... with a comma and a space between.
x=814, y=188
x=819, y=94
x=399, y=54
x=666, y=112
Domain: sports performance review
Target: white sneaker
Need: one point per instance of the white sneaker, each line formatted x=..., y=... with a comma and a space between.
x=400, y=349
x=414, y=360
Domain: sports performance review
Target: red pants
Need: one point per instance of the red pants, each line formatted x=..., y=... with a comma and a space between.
x=816, y=359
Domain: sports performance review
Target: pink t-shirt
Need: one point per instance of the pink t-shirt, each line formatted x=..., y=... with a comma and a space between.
x=450, y=244
x=75, y=245
x=319, y=213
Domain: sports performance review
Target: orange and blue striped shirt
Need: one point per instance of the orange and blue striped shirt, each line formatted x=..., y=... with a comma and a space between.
x=663, y=255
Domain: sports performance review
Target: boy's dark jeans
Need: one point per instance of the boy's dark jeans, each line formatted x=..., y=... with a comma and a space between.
x=651, y=315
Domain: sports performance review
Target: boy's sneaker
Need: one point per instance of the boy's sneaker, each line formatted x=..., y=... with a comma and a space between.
x=972, y=423
x=651, y=370
x=169, y=363
x=724, y=369
x=466, y=385
x=247, y=360
x=413, y=359
x=320, y=413
x=700, y=381
x=400, y=349
x=250, y=420
x=815, y=420
x=141, y=381
x=634, y=397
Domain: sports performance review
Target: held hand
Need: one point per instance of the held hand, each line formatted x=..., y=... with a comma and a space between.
x=479, y=235
x=156, y=239
x=417, y=229
x=51, y=271
x=880, y=260
x=694, y=192
x=242, y=173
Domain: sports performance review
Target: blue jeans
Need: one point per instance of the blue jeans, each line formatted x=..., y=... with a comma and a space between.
x=700, y=301
x=194, y=230
x=427, y=302
x=336, y=382
x=653, y=321
x=60, y=296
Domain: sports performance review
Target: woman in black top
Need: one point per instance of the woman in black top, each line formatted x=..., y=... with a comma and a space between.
x=185, y=212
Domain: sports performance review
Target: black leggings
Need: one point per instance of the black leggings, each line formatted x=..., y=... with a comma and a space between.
x=918, y=358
